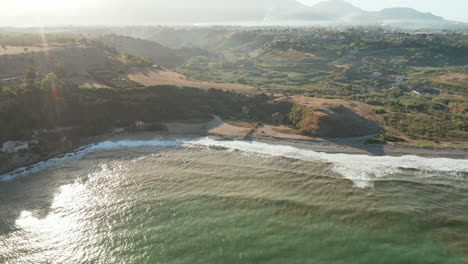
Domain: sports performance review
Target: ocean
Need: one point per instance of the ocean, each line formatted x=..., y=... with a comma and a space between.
x=198, y=200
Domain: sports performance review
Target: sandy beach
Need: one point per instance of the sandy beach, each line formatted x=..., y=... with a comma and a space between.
x=220, y=130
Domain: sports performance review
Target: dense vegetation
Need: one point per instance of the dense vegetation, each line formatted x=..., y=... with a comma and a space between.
x=432, y=117
x=332, y=61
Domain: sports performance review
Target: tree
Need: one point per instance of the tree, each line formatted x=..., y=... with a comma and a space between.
x=30, y=79
x=53, y=105
x=7, y=91
x=52, y=83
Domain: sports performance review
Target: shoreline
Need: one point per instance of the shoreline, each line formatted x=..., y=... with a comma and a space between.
x=347, y=146
x=217, y=129
x=371, y=150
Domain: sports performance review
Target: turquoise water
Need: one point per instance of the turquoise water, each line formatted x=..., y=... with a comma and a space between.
x=235, y=202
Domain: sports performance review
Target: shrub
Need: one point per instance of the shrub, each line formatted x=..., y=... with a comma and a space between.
x=379, y=111
x=426, y=145
x=389, y=137
x=384, y=139
x=375, y=141
x=8, y=92
x=458, y=134
x=303, y=119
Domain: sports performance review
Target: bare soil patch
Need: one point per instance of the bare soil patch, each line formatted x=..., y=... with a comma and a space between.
x=457, y=78
x=241, y=124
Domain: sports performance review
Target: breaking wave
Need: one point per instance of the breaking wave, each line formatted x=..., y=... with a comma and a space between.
x=360, y=169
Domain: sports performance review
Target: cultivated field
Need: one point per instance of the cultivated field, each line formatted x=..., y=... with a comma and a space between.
x=455, y=78
x=153, y=77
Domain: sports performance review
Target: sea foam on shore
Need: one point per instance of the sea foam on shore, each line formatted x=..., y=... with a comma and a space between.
x=360, y=169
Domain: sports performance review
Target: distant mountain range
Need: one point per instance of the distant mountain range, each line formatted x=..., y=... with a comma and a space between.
x=229, y=12
x=340, y=12
x=280, y=12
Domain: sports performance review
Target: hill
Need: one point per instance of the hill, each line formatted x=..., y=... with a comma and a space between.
x=403, y=13
x=334, y=118
x=342, y=12
x=72, y=59
x=161, y=55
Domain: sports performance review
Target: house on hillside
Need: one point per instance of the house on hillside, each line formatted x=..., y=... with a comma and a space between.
x=277, y=119
x=399, y=78
x=394, y=87
x=14, y=146
x=377, y=75
x=142, y=126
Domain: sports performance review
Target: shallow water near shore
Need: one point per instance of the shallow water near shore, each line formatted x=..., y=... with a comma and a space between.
x=207, y=201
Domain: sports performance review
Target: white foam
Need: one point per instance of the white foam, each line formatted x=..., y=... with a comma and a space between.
x=360, y=169
x=106, y=145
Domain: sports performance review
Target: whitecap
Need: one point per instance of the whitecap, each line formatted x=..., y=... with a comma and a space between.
x=360, y=169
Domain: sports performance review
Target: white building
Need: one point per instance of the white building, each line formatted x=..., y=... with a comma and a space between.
x=399, y=78
x=14, y=146
x=139, y=124
x=377, y=74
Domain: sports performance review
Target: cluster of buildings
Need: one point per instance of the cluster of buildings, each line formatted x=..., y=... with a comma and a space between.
x=17, y=146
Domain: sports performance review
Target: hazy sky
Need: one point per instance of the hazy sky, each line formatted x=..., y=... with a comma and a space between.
x=63, y=12
x=456, y=10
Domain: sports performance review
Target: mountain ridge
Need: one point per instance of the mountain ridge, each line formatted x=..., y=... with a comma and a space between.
x=230, y=12
x=341, y=11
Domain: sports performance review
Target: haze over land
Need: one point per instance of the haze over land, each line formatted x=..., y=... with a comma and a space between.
x=226, y=12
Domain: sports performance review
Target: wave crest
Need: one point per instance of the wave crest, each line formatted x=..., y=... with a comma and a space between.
x=360, y=169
